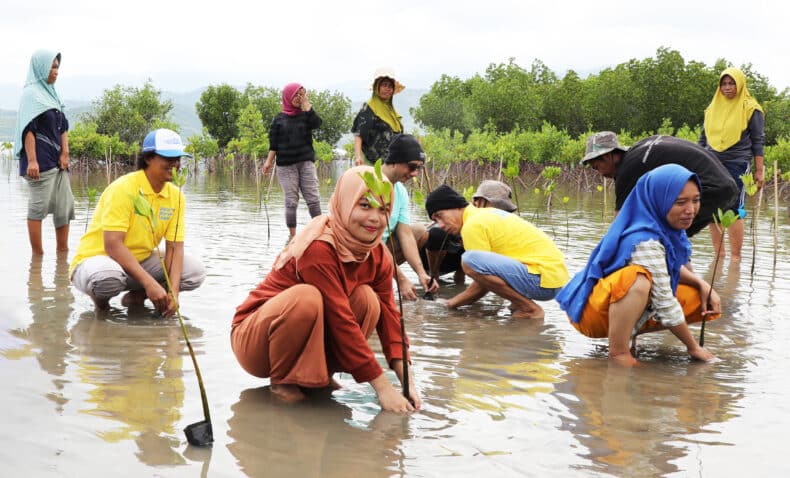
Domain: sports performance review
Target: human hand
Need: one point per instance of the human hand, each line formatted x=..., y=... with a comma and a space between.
x=32, y=170
x=759, y=177
x=712, y=304
x=172, y=307
x=267, y=166
x=63, y=162
x=407, y=290
x=158, y=296
x=306, y=102
x=390, y=399
x=701, y=353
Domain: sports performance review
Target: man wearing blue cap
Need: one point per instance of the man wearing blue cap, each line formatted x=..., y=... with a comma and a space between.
x=117, y=251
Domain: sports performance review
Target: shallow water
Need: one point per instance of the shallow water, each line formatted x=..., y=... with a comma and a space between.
x=84, y=395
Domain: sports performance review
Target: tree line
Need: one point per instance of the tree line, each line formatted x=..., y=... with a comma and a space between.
x=508, y=115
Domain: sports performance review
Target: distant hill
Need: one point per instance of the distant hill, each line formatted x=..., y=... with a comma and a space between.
x=184, y=114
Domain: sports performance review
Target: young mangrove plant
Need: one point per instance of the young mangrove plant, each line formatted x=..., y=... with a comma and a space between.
x=722, y=221
x=378, y=195
x=91, y=199
x=198, y=433
x=750, y=187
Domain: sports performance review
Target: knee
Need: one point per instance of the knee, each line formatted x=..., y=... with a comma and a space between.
x=308, y=304
x=364, y=299
x=641, y=286
x=107, y=286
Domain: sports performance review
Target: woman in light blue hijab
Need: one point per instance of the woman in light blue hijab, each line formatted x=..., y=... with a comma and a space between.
x=41, y=144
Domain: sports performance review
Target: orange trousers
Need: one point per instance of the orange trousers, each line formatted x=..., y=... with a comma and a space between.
x=610, y=289
x=284, y=338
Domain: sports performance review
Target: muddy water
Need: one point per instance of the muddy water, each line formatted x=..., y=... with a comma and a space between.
x=84, y=395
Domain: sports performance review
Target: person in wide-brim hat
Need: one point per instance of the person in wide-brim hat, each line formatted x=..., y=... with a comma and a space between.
x=377, y=121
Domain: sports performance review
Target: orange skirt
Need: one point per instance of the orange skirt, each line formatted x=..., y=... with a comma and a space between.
x=595, y=317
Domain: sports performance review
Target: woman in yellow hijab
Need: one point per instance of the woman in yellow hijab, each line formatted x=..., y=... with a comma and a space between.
x=377, y=121
x=734, y=130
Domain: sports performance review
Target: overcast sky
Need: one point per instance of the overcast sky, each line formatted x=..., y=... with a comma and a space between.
x=325, y=44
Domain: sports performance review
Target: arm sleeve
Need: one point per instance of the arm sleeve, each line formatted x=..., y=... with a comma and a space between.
x=118, y=214
x=273, y=138
x=346, y=342
x=388, y=327
x=703, y=140
x=757, y=132
x=652, y=256
x=313, y=120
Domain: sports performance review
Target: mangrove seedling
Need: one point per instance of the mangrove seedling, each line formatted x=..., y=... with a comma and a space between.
x=91, y=199
x=722, y=221
x=750, y=187
x=198, y=433
x=378, y=195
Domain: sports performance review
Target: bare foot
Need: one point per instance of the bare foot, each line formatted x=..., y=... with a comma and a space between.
x=535, y=313
x=701, y=354
x=133, y=298
x=624, y=359
x=101, y=304
x=288, y=393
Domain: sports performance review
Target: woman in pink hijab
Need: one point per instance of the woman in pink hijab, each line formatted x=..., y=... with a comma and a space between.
x=291, y=146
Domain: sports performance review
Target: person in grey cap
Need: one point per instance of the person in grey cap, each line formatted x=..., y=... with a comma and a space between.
x=626, y=165
x=441, y=250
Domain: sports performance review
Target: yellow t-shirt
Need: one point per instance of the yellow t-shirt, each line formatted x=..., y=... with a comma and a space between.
x=115, y=212
x=495, y=230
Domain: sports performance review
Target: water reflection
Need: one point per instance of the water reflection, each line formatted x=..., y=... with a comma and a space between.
x=313, y=438
x=134, y=368
x=638, y=421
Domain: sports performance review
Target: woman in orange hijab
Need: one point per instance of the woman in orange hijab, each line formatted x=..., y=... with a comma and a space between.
x=328, y=290
x=734, y=130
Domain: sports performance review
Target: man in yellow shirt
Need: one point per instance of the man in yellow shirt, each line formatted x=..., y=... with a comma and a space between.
x=504, y=254
x=117, y=251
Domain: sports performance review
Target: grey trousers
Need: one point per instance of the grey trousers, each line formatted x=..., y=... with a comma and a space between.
x=297, y=177
x=103, y=278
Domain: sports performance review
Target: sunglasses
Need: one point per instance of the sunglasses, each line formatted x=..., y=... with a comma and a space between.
x=414, y=166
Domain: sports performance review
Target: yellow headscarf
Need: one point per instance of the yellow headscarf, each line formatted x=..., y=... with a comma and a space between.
x=384, y=109
x=726, y=119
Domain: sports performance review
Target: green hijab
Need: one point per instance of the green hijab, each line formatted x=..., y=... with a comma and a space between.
x=384, y=109
x=37, y=96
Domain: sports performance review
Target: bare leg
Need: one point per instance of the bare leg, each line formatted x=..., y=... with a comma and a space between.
x=291, y=233
x=623, y=315
x=736, y=233
x=683, y=333
x=522, y=307
x=133, y=298
x=34, y=233
x=716, y=237
x=62, y=238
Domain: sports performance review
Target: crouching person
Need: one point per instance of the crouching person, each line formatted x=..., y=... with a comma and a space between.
x=504, y=254
x=636, y=279
x=328, y=291
x=117, y=252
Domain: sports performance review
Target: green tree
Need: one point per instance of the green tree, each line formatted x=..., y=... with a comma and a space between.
x=334, y=108
x=445, y=107
x=218, y=109
x=267, y=100
x=130, y=112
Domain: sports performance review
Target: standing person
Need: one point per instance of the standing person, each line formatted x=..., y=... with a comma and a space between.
x=41, y=143
x=443, y=250
x=329, y=289
x=404, y=160
x=117, y=251
x=504, y=254
x=605, y=155
x=734, y=129
x=291, y=143
x=377, y=121
x=636, y=279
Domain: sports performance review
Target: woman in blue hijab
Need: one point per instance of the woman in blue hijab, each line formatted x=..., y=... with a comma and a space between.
x=41, y=144
x=636, y=280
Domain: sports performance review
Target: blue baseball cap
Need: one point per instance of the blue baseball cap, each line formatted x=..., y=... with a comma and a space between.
x=164, y=142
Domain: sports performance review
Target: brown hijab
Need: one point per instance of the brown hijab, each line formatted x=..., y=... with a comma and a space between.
x=333, y=227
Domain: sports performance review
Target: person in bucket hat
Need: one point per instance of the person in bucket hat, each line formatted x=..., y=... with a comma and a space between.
x=117, y=254
x=377, y=121
x=626, y=165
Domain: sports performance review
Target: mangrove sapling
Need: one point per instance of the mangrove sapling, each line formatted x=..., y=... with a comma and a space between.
x=378, y=195
x=91, y=199
x=565, y=200
x=750, y=187
x=198, y=433
x=266, y=203
x=722, y=222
